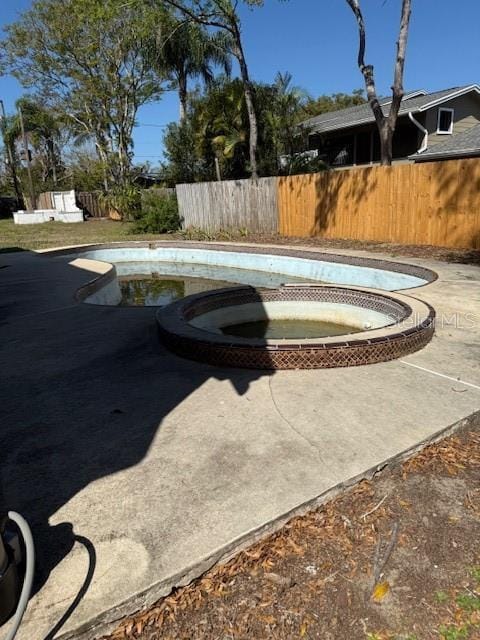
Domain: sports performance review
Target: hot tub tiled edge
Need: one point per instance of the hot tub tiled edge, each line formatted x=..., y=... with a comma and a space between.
x=365, y=348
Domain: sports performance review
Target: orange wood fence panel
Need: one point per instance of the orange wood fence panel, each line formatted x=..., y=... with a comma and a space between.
x=436, y=203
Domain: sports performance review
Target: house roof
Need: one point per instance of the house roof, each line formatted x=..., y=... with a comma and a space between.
x=414, y=102
x=462, y=144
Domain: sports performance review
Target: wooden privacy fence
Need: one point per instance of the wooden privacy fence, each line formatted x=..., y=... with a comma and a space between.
x=91, y=203
x=44, y=201
x=231, y=204
x=435, y=203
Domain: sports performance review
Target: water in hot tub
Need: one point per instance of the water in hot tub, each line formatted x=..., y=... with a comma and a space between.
x=288, y=329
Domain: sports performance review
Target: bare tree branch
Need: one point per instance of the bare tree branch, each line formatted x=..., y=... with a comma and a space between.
x=397, y=88
x=386, y=124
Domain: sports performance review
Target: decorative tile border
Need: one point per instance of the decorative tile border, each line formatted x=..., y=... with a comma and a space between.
x=367, y=347
x=212, y=300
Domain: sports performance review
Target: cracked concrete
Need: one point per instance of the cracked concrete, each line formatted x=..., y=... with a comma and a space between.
x=138, y=469
x=282, y=416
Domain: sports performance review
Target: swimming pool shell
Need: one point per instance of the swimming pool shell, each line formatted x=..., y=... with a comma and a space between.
x=411, y=328
x=311, y=265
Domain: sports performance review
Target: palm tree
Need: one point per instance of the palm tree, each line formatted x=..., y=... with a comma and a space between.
x=44, y=131
x=186, y=50
x=221, y=124
x=284, y=114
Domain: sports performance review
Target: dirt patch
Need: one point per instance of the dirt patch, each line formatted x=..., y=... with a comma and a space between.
x=56, y=234
x=444, y=254
x=394, y=558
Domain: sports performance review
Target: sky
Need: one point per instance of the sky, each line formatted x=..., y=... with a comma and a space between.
x=316, y=41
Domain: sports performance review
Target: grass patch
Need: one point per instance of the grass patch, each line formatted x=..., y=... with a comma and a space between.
x=441, y=597
x=15, y=237
x=468, y=602
x=454, y=633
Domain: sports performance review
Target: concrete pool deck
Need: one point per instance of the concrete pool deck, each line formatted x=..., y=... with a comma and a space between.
x=138, y=469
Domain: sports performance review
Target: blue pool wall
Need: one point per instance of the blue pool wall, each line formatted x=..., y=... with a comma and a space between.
x=317, y=270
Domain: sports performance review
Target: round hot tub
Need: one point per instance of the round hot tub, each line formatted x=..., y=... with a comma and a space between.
x=295, y=327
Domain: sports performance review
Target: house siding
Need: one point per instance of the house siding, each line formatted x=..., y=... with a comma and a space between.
x=466, y=115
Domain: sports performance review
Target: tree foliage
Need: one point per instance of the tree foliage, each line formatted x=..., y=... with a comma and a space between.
x=84, y=170
x=184, y=50
x=46, y=136
x=217, y=129
x=183, y=163
x=283, y=113
x=334, y=102
x=86, y=57
x=223, y=15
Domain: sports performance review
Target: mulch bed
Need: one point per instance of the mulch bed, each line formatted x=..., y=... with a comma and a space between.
x=395, y=558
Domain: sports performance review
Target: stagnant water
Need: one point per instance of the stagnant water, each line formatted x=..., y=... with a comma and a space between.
x=158, y=291
x=153, y=289
x=143, y=285
x=290, y=329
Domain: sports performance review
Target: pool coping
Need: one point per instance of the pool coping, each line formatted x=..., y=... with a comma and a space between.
x=424, y=273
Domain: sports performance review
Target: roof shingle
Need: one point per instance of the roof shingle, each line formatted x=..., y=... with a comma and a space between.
x=362, y=114
x=462, y=144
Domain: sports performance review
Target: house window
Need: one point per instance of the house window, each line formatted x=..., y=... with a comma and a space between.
x=445, y=121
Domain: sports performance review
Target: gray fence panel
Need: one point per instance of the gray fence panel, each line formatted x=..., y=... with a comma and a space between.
x=230, y=204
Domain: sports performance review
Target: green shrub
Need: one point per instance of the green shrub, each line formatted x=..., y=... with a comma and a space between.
x=158, y=214
x=125, y=200
x=301, y=163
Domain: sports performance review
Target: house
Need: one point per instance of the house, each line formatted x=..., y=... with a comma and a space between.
x=431, y=126
x=148, y=179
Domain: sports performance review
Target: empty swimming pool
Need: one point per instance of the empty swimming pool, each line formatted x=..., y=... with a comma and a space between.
x=261, y=267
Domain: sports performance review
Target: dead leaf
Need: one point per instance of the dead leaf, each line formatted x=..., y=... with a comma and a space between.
x=267, y=619
x=380, y=591
x=281, y=581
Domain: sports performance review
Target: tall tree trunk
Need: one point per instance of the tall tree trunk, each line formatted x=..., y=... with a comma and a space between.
x=182, y=95
x=52, y=160
x=386, y=144
x=105, y=176
x=103, y=156
x=249, y=101
x=386, y=124
x=224, y=17
x=13, y=172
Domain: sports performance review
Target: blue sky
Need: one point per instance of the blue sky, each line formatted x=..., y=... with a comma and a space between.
x=316, y=41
